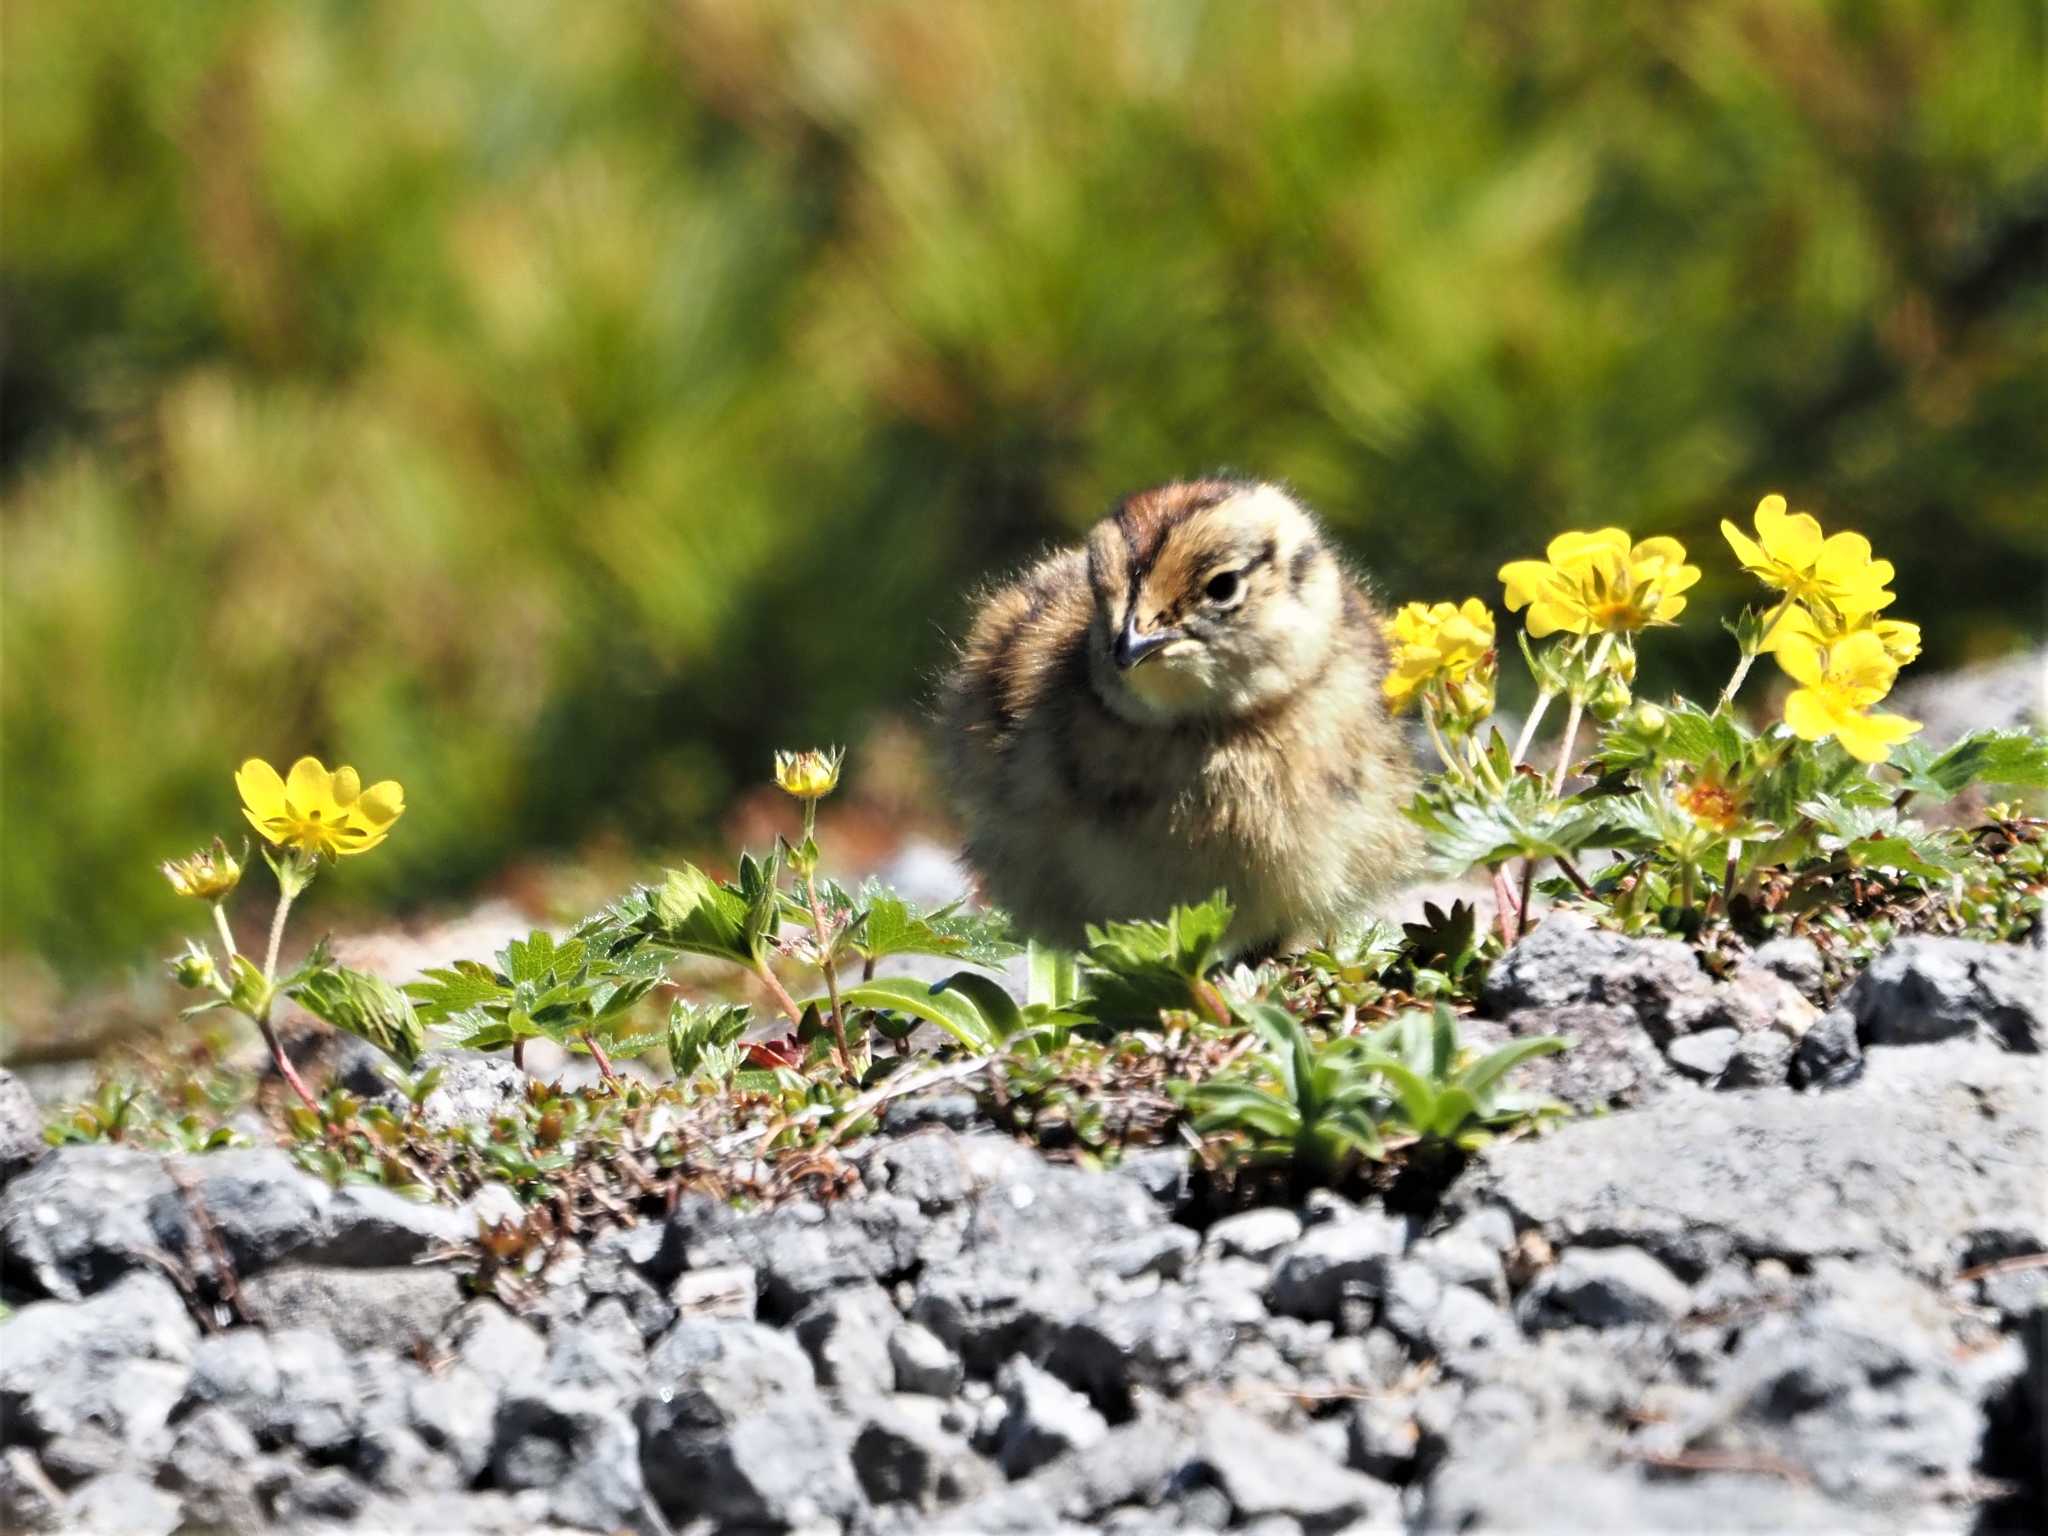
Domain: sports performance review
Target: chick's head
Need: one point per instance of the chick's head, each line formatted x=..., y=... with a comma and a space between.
x=1212, y=597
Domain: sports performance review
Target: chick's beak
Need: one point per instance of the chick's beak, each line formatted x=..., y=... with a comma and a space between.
x=1132, y=647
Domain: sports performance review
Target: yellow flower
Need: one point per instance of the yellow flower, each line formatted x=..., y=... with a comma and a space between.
x=208, y=874
x=1834, y=572
x=1432, y=640
x=318, y=812
x=809, y=775
x=1594, y=583
x=1837, y=684
x=1799, y=626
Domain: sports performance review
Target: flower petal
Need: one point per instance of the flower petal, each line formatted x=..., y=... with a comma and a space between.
x=1747, y=550
x=1808, y=716
x=261, y=789
x=382, y=803
x=1524, y=581
x=1791, y=537
x=308, y=786
x=1870, y=738
x=1801, y=659
x=344, y=784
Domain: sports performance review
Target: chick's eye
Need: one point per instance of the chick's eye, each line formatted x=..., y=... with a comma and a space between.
x=1224, y=587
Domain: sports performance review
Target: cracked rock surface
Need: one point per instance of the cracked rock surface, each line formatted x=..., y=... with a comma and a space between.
x=1715, y=1301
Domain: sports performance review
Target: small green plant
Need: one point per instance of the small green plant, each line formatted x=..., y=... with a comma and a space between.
x=1325, y=1105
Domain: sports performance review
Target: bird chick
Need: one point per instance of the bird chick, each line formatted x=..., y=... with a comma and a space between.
x=1191, y=701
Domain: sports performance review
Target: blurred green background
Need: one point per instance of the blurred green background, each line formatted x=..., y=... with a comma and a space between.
x=558, y=406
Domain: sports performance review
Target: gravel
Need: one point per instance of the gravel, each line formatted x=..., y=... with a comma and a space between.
x=1745, y=1259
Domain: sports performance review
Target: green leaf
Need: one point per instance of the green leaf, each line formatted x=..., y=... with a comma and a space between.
x=2012, y=759
x=890, y=926
x=1479, y=1078
x=1055, y=975
x=1417, y=1095
x=367, y=1007
x=988, y=995
x=953, y=1012
x=696, y=1034
x=445, y=991
x=1136, y=970
x=695, y=914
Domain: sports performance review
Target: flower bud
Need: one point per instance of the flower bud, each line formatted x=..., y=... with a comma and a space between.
x=1651, y=720
x=193, y=969
x=1609, y=699
x=809, y=775
x=207, y=875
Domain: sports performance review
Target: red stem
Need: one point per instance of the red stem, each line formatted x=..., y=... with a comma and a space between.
x=604, y=1062
x=285, y=1068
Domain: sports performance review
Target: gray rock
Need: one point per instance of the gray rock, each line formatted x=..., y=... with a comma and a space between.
x=1383, y=1438
x=293, y=1386
x=1164, y=1251
x=1828, y=1055
x=939, y=1170
x=1762, y=1059
x=846, y=1333
x=121, y=1504
x=1568, y=961
x=623, y=1263
x=370, y=1227
x=1255, y=1234
x=578, y=1448
x=1795, y=960
x=21, y=1128
x=1926, y=1147
x=361, y=1308
x=1312, y=1276
x=1704, y=1056
x=1164, y=1173
x=473, y=1090
x=1612, y=1062
x=1468, y=1255
x=1135, y=1463
x=1161, y=1341
x=1044, y=1418
x=1603, y=1288
x=117, y=1361
x=1265, y=1472
x=79, y=1219
x=600, y=1351
x=84, y=1453
x=923, y=1363
x=259, y=1203
x=503, y=1350
x=801, y=1251
x=319, y=1494
x=732, y=1428
x=454, y=1413
x=29, y=1501
x=905, y=1454
x=1925, y=989
x=725, y=1290
x=1568, y=1496
x=1866, y=1387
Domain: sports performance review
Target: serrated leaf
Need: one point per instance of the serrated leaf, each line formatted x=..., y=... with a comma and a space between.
x=888, y=925
x=953, y=1012
x=367, y=1007
x=2009, y=759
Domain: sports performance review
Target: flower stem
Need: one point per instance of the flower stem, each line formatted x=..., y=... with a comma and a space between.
x=285, y=1069
x=1435, y=736
x=838, y=1018
x=1536, y=713
x=1503, y=904
x=1571, y=873
x=227, y=937
x=604, y=1062
x=1577, y=713
x=1749, y=657
x=284, y=906
x=779, y=992
x=1522, y=901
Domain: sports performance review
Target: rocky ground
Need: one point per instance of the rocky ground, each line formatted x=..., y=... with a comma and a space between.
x=1787, y=1272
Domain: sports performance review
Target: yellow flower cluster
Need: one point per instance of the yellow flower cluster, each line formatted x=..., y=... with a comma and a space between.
x=1826, y=633
x=1444, y=642
x=317, y=812
x=1599, y=583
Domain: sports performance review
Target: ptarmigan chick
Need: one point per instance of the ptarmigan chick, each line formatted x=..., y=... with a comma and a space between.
x=1190, y=702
